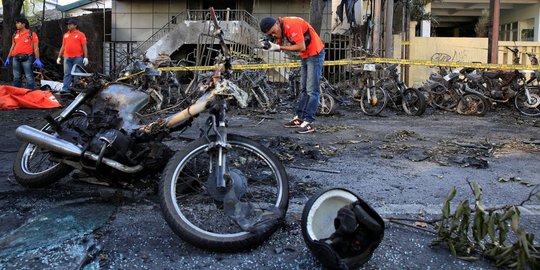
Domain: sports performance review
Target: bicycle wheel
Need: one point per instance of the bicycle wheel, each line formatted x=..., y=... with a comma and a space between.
x=195, y=208
x=528, y=106
x=326, y=104
x=35, y=167
x=413, y=102
x=472, y=104
x=374, y=102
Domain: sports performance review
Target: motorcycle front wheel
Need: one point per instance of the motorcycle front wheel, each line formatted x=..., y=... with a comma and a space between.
x=373, y=103
x=195, y=208
x=35, y=167
x=528, y=106
x=326, y=104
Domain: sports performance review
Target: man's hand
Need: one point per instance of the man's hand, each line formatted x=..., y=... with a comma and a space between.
x=38, y=63
x=59, y=60
x=85, y=61
x=269, y=46
x=8, y=60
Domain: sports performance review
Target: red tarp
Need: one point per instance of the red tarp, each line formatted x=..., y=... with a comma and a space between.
x=14, y=98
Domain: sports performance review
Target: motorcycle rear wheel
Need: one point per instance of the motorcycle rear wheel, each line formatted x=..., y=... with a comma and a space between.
x=472, y=104
x=33, y=166
x=192, y=205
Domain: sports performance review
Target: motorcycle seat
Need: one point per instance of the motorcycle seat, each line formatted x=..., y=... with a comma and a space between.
x=474, y=77
x=492, y=74
x=392, y=67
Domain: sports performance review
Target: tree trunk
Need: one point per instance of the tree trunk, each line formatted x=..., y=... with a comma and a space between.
x=12, y=10
x=316, y=9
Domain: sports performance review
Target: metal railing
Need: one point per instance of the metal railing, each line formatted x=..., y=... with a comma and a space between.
x=197, y=15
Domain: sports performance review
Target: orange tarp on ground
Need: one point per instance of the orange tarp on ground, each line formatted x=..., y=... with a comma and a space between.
x=14, y=98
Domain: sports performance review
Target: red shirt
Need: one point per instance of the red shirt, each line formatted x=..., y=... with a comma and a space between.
x=73, y=43
x=293, y=28
x=23, y=42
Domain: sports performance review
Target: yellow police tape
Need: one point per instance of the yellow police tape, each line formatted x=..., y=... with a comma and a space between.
x=296, y=64
x=428, y=63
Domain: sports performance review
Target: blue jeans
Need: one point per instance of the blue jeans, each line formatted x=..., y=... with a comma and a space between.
x=310, y=75
x=69, y=62
x=26, y=67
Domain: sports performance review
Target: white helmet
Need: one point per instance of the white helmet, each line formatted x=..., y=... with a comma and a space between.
x=340, y=229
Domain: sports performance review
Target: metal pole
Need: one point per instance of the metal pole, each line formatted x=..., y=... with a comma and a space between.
x=376, y=26
x=388, y=26
x=493, y=37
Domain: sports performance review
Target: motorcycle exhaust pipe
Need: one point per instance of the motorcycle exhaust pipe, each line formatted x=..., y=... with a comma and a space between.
x=44, y=140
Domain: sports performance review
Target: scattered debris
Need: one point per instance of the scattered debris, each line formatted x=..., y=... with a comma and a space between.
x=475, y=162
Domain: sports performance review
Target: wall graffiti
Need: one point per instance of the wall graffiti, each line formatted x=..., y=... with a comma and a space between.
x=444, y=57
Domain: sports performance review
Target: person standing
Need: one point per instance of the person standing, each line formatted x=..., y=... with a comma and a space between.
x=73, y=50
x=304, y=39
x=25, y=52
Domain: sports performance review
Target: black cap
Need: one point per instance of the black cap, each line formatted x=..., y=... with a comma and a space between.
x=23, y=20
x=71, y=21
x=267, y=23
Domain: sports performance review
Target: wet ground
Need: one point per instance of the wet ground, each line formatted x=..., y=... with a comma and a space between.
x=403, y=166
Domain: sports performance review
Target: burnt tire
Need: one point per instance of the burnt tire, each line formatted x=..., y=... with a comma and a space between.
x=413, y=102
x=192, y=207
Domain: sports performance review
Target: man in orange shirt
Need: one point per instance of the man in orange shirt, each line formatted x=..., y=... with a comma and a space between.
x=25, y=52
x=73, y=50
x=305, y=40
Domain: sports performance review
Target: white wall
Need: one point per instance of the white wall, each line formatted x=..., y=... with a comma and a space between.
x=521, y=14
x=137, y=20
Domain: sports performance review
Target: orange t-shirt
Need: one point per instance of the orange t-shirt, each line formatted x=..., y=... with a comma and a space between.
x=23, y=42
x=293, y=28
x=73, y=43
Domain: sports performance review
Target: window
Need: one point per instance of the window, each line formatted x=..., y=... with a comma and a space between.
x=509, y=32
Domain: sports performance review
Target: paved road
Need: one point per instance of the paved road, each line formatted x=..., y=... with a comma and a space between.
x=403, y=166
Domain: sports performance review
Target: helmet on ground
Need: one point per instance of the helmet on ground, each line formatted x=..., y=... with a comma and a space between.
x=340, y=229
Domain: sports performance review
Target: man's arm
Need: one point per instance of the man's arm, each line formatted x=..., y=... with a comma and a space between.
x=298, y=47
x=61, y=52
x=85, y=50
x=36, y=50
x=10, y=50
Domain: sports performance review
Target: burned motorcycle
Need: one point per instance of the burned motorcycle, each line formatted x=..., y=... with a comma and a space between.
x=222, y=192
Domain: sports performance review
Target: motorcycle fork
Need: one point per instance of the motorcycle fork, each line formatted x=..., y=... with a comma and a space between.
x=527, y=94
x=219, y=146
x=72, y=107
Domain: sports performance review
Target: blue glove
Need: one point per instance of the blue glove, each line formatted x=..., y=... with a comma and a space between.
x=8, y=60
x=38, y=63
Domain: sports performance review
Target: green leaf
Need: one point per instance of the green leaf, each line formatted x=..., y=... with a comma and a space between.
x=451, y=194
x=538, y=196
x=477, y=191
x=524, y=243
x=446, y=210
x=491, y=227
x=515, y=222
x=470, y=258
x=452, y=248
